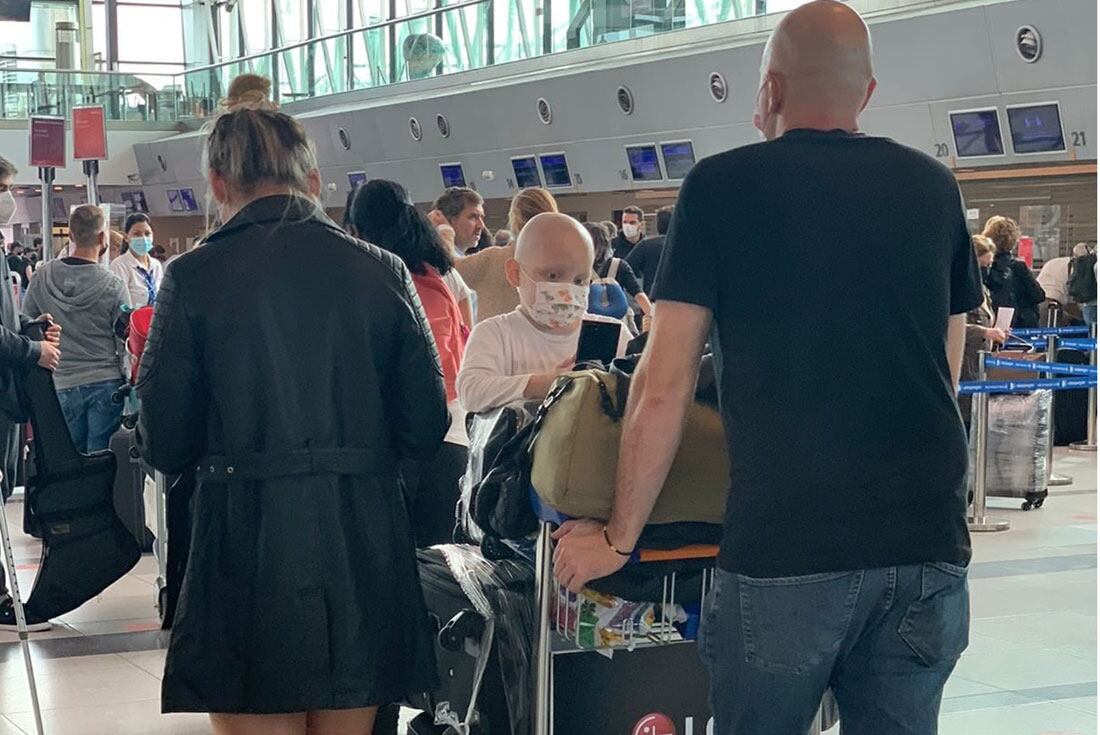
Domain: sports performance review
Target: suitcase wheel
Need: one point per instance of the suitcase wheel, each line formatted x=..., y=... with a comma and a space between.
x=466, y=625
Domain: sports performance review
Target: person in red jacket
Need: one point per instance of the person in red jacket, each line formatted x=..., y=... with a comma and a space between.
x=382, y=214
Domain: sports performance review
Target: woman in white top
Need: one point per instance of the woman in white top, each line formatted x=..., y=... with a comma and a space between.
x=139, y=271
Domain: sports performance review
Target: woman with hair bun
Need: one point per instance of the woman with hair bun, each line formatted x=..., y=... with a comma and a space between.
x=294, y=386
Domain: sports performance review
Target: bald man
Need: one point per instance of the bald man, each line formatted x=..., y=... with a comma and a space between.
x=516, y=357
x=845, y=551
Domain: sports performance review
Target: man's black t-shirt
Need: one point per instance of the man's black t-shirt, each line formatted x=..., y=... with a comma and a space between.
x=644, y=259
x=846, y=446
x=621, y=247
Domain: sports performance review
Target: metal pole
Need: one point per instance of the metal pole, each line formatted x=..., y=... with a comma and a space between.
x=46, y=176
x=978, y=521
x=91, y=173
x=20, y=618
x=544, y=580
x=1089, y=445
x=1053, y=479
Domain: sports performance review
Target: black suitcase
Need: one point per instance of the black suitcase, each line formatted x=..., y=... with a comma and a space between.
x=1071, y=407
x=465, y=642
x=130, y=487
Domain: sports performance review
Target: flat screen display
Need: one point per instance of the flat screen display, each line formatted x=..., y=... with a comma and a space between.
x=644, y=164
x=977, y=133
x=1036, y=129
x=526, y=171
x=679, y=158
x=174, y=201
x=453, y=175
x=356, y=178
x=187, y=197
x=17, y=10
x=556, y=170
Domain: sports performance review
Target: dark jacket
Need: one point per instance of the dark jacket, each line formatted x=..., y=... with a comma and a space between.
x=292, y=367
x=16, y=351
x=1012, y=284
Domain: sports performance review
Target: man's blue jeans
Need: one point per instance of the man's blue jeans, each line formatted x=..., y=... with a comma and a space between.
x=885, y=641
x=91, y=414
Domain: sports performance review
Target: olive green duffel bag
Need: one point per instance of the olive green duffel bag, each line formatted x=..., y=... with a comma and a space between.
x=576, y=454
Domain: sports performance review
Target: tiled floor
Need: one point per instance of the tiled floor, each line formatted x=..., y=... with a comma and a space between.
x=1030, y=669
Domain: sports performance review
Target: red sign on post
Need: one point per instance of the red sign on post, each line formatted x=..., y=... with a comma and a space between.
x=48, y=142
x=89, y=134
x=1027, y=250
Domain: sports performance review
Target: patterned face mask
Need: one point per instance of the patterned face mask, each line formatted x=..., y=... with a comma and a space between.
x=558, y=305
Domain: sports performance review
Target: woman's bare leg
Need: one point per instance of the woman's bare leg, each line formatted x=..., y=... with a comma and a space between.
x=341, y=721
x=292, y=724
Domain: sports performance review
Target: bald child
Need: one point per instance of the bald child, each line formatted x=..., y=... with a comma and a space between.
x=517, y=356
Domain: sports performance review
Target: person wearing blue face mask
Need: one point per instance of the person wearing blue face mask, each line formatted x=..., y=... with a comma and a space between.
x=139, y=271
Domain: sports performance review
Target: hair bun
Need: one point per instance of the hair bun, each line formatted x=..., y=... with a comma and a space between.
x=249, y=92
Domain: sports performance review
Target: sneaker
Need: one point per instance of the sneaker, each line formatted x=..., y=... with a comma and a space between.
x=7, y=619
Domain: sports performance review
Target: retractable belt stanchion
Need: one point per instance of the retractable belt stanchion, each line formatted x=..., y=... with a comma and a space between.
x=978, y=521
x=1089, y=445
x=1053, y=478
x=20, y=617
x=46, y=176
x=91, y=172
x=544, y=566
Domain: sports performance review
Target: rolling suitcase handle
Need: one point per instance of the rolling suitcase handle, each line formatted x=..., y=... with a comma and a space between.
x=20, y=617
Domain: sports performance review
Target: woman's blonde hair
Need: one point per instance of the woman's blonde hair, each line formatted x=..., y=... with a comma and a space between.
x=1004, y=232
x=982, y=245
x=528, y=204
x=251, y=143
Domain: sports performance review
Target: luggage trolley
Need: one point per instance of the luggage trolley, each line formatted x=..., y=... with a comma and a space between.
x=659, y=646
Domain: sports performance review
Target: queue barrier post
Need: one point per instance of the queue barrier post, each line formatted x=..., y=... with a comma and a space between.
x=978, y=521
x=1089, y=445
x=1053, y=478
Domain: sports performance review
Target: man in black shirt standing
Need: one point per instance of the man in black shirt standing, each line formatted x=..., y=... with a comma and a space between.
x=646, y=255
x=630, y=234
x=845, y=553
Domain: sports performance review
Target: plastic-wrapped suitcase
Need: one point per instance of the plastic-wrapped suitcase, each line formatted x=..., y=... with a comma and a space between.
x=130, y=487
x=482, y=616
x=1016, y=456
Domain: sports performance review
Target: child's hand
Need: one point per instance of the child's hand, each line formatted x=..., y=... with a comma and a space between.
x=539, y=385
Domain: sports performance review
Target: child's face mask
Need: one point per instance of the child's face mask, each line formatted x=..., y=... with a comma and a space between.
x=557, y=306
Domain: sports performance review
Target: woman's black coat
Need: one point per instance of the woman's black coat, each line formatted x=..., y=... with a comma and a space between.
x=291, y=366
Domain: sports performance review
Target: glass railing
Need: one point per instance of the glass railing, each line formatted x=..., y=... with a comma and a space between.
x=145, y=98
x=458, y=36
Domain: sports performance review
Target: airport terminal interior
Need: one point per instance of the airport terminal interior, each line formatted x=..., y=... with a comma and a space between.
x=603, y=108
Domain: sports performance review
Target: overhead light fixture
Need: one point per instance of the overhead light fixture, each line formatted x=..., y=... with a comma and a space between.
x=59, y=188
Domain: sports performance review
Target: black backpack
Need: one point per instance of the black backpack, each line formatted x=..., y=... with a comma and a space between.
x=1082, y=279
